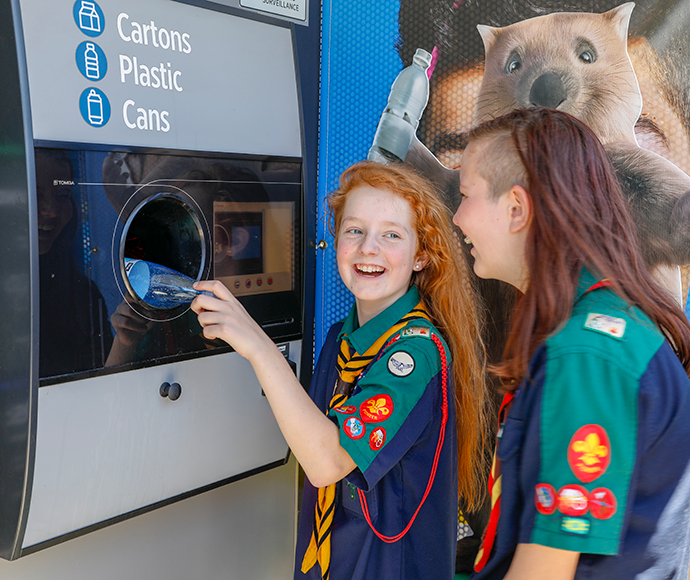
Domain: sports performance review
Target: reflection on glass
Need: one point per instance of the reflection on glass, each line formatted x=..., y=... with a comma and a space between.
x=238, y=243
x=99, y=210
x=75, y=333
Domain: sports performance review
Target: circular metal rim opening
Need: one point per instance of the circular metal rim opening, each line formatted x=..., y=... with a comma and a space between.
x=199, y=236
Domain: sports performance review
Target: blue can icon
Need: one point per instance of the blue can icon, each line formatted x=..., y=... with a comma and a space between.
x=94, y=107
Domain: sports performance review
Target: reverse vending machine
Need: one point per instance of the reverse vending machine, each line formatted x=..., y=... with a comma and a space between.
x=138, y=135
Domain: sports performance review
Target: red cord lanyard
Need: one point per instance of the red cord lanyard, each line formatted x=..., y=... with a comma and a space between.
x=600, y=284
x=441, y=437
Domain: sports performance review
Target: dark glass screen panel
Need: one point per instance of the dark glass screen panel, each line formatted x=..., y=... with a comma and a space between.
x=97, y=208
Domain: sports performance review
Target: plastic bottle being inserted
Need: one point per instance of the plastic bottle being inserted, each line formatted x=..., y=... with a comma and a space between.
x=400, y=119
x=160, y=287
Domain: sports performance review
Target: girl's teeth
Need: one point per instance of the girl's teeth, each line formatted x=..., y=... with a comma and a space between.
x=370, y=269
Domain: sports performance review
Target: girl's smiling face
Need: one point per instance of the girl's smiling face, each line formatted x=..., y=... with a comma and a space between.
x=377, y=249
x=495, y=227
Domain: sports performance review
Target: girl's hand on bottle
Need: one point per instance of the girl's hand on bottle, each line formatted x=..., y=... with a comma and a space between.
x=222, y=316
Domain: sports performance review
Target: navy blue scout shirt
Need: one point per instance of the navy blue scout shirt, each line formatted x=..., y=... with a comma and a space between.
x=390, y=427
x=594, y=453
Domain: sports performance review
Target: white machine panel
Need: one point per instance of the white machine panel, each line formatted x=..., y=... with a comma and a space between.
x=135, y=447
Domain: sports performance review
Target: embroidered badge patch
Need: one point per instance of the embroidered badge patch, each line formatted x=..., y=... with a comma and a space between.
x=579, y=526
x=602, y=503
x=416, y=331
x=400, y=363
x=573, y=500
x=345, y=409
x=376, y=409
x=545, y=498
x=353, y=428
x=609, y=325
x=589, y=452
x=377, y=438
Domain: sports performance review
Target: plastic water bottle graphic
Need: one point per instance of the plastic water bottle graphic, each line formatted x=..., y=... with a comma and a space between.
x=89, y=18
x=94, y=104
x=160, y=287
x=91, y=62
x=400, y=119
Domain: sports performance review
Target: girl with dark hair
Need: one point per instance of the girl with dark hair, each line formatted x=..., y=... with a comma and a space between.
x=376, y=434
x=592, y=458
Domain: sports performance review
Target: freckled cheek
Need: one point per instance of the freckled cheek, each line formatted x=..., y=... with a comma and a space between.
x=344, y=254
x=401, y=259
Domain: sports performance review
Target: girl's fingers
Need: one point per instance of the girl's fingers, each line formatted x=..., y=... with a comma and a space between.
x=209, y=317
x=215, y=286
x=222, y=297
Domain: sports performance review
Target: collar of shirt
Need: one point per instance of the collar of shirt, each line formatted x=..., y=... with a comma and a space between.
x=587, y=280
x=362, y=337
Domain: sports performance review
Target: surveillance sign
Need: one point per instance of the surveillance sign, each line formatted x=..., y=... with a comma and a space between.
x=296, y=9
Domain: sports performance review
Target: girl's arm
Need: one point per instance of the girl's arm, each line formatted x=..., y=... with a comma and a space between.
x=535, y=562
x=311, y=435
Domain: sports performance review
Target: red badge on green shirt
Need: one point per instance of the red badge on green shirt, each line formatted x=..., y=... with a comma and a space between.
x=377, y=438
x=376, y=409
x=353, y=428
x=602, y=503
x=589, y=452
x=545, y=498
x=573, y=500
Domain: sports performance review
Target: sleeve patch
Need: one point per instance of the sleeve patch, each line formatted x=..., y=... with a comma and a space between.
x=377, y=438
x=608, y=325
x=376, y=409
x=416, y=331
x=545, y=498
x=354, y=428
x=345, y=409
x=400, y=363
x=573, y=500
x=577, y=526
x=602, y=503
x=589, y=452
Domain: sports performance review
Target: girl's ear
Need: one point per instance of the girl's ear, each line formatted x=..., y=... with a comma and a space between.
x=520, y=208
x=421, y=260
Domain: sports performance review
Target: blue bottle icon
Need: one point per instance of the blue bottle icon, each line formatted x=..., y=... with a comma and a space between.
x=91, y=60
x=160, y=287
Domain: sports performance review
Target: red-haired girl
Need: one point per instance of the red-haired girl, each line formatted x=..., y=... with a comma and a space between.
x=376, y=434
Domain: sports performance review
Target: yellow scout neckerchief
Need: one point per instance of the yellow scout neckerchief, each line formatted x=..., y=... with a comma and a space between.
x=350, y=365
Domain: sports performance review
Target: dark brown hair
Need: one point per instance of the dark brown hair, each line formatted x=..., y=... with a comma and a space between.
x=579, y=218
x=448, y=296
